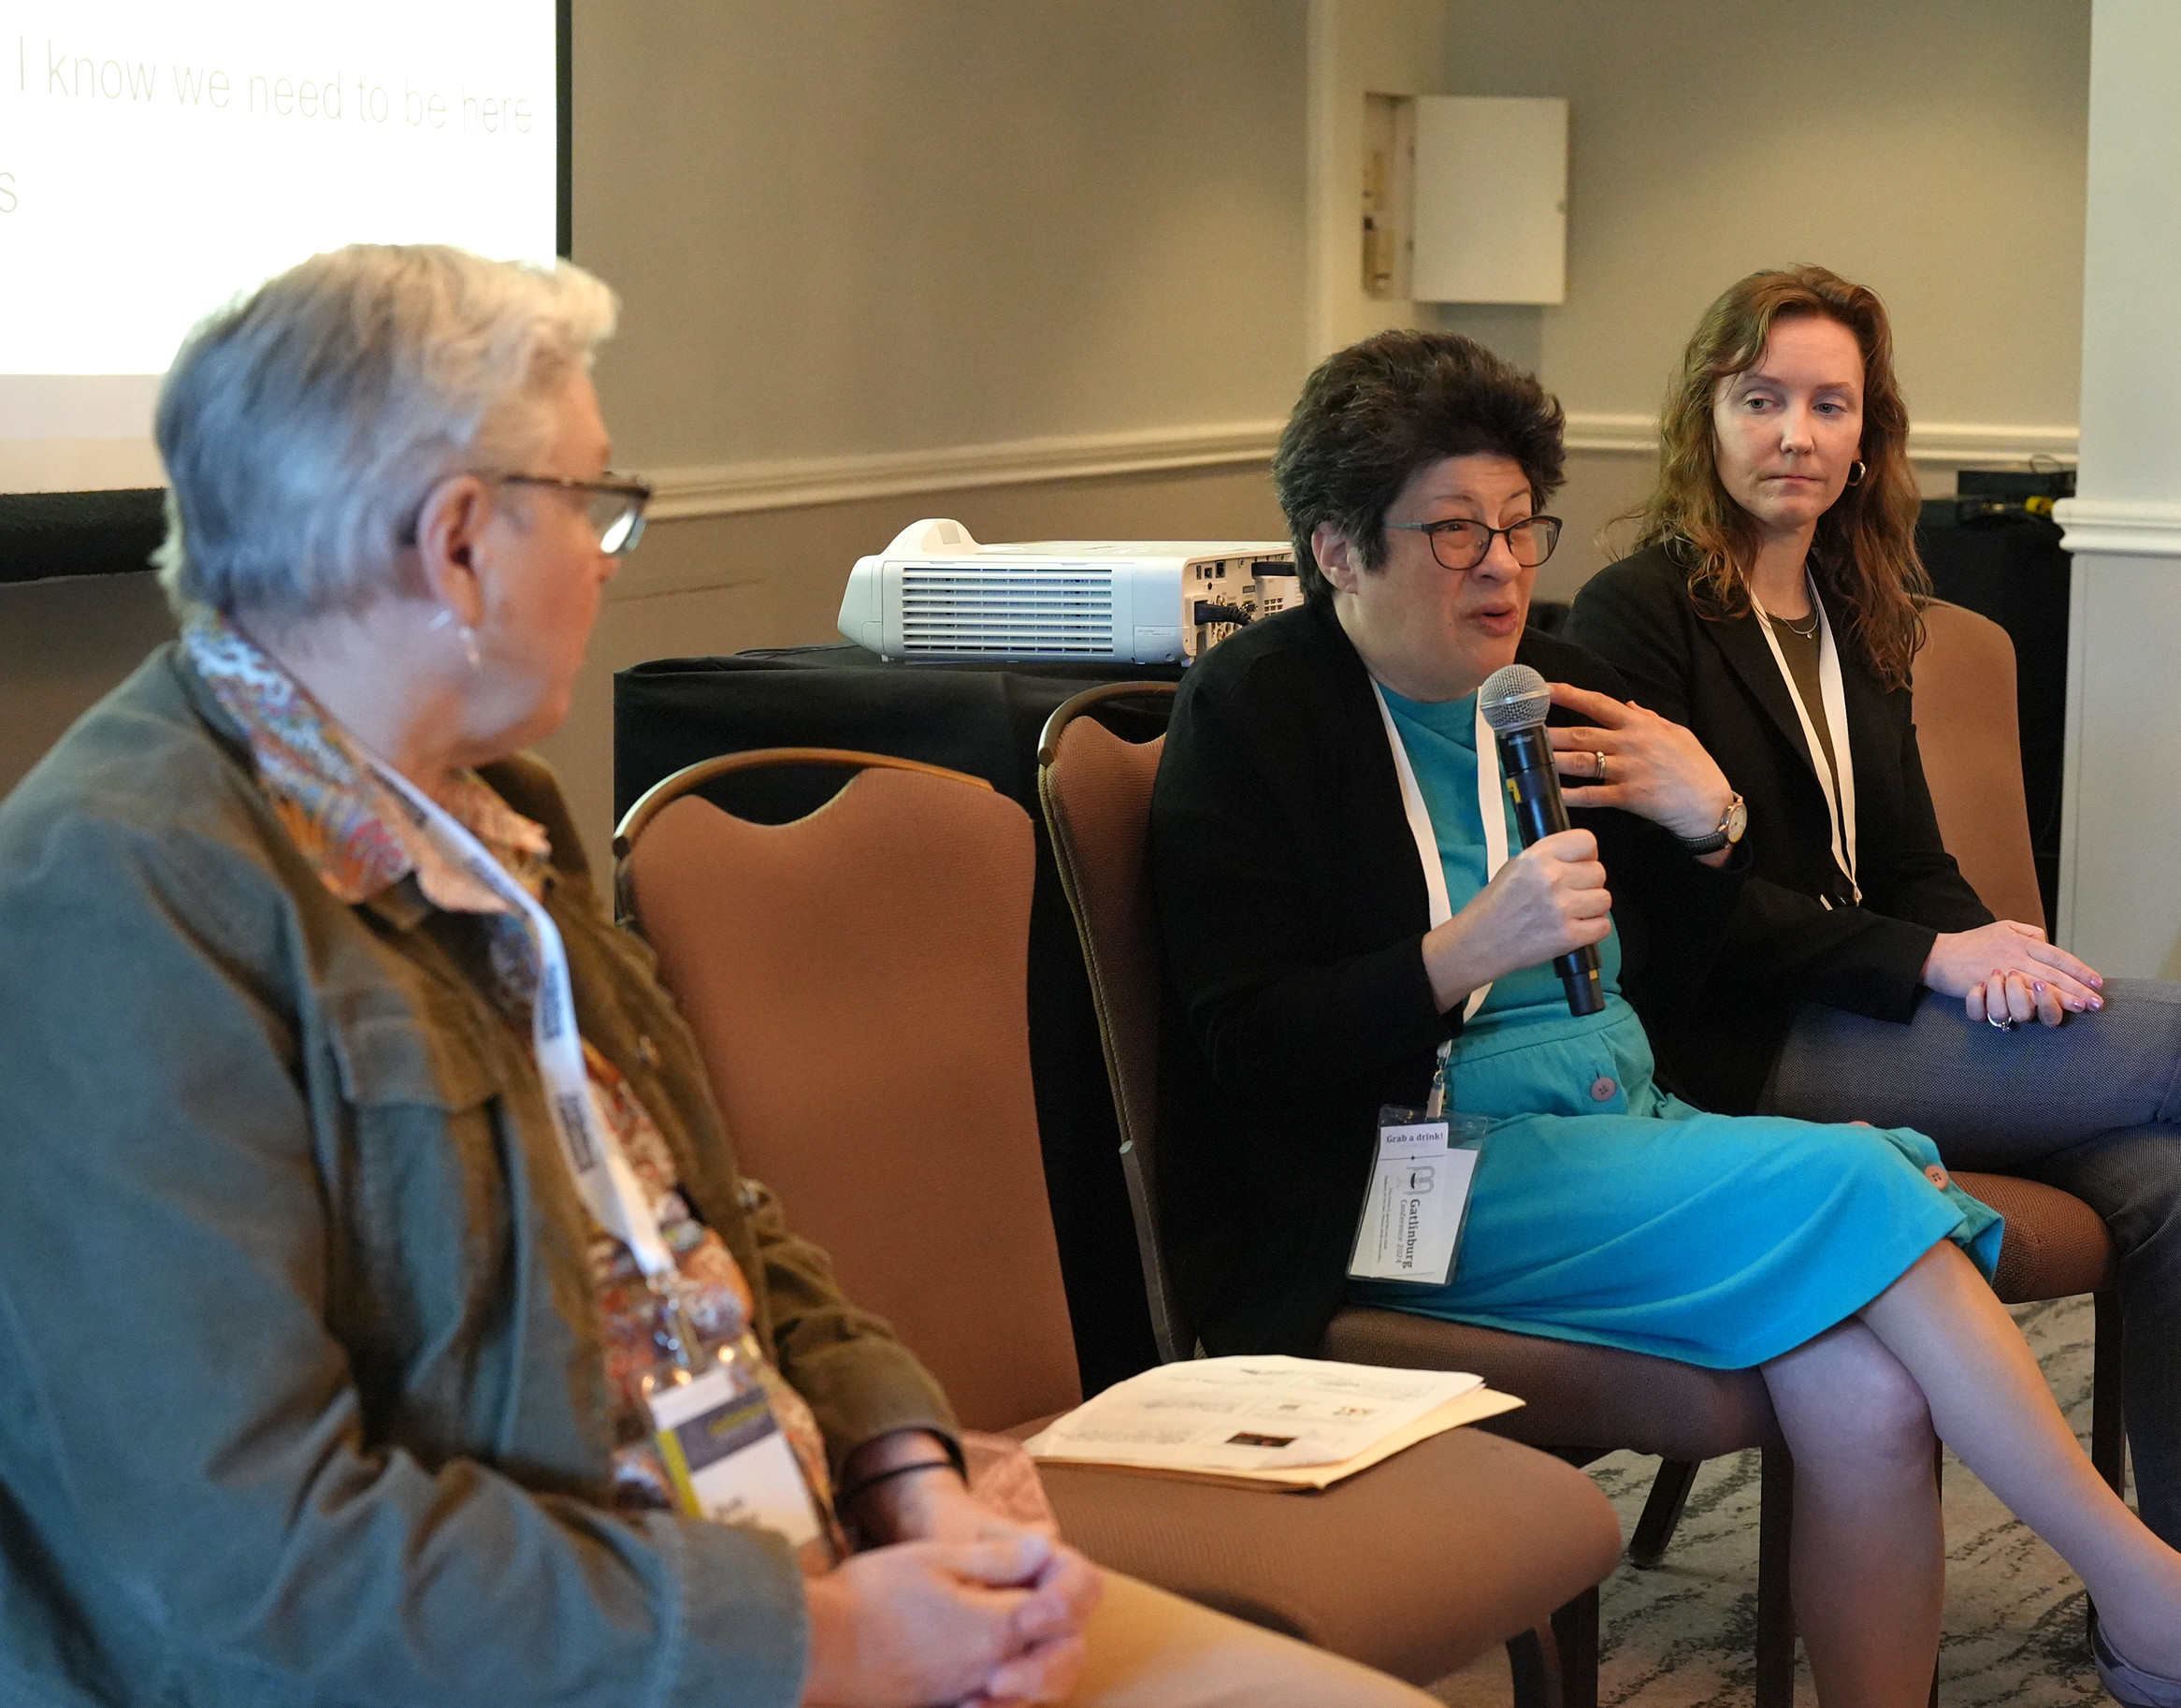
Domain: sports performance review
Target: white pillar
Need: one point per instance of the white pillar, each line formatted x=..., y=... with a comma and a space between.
x=2119, y=900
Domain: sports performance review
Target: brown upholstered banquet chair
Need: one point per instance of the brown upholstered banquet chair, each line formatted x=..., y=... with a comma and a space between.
x=1971, y=750
x=856, y=980
x=1583, y=1401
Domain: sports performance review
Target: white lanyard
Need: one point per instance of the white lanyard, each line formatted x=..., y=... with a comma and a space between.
x=609, y=1185
x=1840, y=801
x=1489, y=808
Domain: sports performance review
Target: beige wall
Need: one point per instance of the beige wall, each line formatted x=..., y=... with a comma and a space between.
x=854, y=227
x=865, y=225
x=718, y=585
x=1602, y=485
x=1935, y=151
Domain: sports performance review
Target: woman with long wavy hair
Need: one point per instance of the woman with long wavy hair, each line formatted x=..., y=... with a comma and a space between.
x=1772, y=608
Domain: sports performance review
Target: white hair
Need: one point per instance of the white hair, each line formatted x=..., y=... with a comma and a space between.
x=303, y=425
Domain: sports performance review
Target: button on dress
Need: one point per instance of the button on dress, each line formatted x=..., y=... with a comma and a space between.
x=1608, y=1211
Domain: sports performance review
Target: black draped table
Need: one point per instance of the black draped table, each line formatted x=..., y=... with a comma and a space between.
x=979, y=719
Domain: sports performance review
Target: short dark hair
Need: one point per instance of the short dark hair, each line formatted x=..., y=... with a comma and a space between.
x=1374, y=414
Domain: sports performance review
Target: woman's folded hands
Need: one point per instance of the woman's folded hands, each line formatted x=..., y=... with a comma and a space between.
x=990, y=1622
x=2007, y=973
x=959, y=1605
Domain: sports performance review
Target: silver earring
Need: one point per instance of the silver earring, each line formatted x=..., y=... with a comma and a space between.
x=463, y=634
x=1855, y=471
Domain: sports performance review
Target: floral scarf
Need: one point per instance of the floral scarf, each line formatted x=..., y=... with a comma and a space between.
x=350, y=826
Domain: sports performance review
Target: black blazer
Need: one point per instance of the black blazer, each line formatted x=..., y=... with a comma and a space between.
x=1294, y=911
x=1718, y=677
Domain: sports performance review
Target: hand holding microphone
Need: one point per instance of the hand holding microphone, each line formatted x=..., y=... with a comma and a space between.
x=1514, y=702
x=1550, y=902
x=1547, y=901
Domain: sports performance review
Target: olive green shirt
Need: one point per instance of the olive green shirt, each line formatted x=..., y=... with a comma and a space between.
x=305, y=1400
x=1801, y=652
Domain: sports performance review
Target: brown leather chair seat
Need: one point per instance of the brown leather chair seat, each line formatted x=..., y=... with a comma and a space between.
x=1591, y=1400
x=1418, y=1564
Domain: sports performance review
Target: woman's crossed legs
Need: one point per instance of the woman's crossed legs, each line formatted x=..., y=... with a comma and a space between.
x=1858, y=1406
x=1868, y=1562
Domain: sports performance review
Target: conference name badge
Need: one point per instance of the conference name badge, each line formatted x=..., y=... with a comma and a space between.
x=727, y=1457
x=1419, y=1199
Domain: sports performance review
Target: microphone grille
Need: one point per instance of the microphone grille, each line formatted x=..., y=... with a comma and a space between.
x=1514, y=697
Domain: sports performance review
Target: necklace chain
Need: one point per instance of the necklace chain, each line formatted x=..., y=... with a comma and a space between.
x=1815, y=616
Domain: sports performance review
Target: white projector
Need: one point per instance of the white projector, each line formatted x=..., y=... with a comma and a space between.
x=936, y=594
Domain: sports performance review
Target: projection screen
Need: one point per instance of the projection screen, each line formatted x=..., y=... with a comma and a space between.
x=159, y=156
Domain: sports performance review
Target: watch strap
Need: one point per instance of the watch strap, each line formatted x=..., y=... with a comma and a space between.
x=1713, y=841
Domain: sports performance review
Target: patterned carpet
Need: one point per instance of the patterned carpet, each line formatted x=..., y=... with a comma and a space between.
x=1683, y=1635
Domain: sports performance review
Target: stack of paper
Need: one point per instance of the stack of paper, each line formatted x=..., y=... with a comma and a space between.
x=1275, y=1420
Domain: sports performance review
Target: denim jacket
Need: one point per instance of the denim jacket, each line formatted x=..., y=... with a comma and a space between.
x=302, y=1399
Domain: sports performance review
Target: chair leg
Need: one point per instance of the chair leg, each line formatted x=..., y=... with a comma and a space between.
x=1575, y=1628
x=1775, y=1603
x=2108, y=1417
x=1662, y=1512
x=1938, y=1477
x=1534, y=1658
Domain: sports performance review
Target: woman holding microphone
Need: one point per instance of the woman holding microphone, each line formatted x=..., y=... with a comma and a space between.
x=1345, y=921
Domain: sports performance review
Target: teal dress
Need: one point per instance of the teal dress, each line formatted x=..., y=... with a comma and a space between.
x=1606, y=1211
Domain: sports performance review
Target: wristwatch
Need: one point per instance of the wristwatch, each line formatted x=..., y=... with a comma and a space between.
x=1726, y=835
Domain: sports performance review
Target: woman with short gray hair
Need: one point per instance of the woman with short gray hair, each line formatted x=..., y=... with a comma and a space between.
x=338, y=1273
x=303, y=425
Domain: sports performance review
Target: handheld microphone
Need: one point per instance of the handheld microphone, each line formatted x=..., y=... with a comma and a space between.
x=1514, y=702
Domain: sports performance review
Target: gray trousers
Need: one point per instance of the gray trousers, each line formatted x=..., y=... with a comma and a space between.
x=2092, y=1107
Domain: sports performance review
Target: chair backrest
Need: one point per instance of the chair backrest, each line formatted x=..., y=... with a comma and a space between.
x=856, y=983
x=1972, y=757
x=1096, y=792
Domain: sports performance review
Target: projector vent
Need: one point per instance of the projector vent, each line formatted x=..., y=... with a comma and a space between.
x=1055, y=612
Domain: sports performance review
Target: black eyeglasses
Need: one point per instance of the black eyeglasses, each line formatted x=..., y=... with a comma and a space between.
x=1459, y=543
x=614, y=507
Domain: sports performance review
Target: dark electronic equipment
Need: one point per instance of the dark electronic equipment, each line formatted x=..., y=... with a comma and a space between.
x=1985, y=498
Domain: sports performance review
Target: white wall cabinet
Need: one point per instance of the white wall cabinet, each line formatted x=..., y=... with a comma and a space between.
x=1490, y=223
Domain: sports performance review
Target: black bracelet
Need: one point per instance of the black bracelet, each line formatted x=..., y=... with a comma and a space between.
x=848, y=1497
